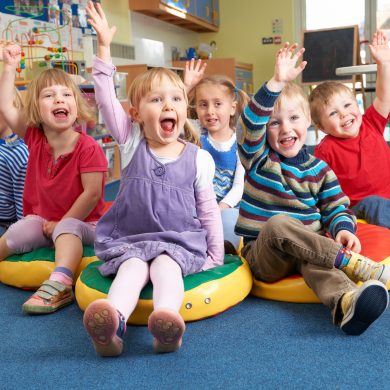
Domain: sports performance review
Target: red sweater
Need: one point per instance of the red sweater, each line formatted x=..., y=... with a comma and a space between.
x=362, y=164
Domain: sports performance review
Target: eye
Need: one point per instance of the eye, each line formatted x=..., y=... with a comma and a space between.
x=218, y=104
x=202, y=104
x=155, y=99
x=295, y=117
x=332, y=113
x=273, y=123
x=177, y=99
x=346, y=105
x=68, y=94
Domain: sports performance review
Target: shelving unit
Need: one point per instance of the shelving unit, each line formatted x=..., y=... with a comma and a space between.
x=195, y=15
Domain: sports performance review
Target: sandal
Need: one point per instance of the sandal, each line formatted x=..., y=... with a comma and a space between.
x=167, y=326
x=51, y=296
x=106, y=327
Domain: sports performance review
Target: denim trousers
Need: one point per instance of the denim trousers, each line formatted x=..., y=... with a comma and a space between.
x=286, y=247
x=374, y=209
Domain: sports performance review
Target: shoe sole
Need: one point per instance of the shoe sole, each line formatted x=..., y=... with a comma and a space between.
x=101, y=321
x=38, y=309
x=167, y=328
x=368, y=306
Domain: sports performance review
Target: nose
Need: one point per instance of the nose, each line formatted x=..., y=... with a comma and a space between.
x=168, y=106
x=59, y=99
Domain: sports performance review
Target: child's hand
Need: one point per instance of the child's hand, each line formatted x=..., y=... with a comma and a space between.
x=12, y=55
x=48, y=228
x=379, y=48
x=193, y=73
x=97, y=19
x=223, y=206
x=349, y=240
x=286, y=68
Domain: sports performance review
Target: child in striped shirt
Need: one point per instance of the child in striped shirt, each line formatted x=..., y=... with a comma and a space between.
x=13, y=165
x=292, y=199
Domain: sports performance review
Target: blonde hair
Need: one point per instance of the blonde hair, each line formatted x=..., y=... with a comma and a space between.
x=321, y=96
x=143, y=84
x=237, y=95
x=293, y=92
x=46, y=79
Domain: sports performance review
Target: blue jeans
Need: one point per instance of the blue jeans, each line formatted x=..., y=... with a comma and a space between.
x=374, y=209
x=229, y=219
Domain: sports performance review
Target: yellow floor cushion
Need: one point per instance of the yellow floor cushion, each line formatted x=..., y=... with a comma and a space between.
x=29, y=270
x=207, y=293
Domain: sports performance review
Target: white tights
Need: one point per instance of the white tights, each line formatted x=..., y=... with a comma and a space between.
x=134, y=274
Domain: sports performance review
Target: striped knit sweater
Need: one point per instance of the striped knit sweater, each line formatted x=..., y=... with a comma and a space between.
x=302, y=187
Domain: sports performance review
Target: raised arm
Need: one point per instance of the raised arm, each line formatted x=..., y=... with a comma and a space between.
x=14, y=118
x=97, y=19
x=381, y=54
x=116, y=119
x=251, y=127
x=193, y=73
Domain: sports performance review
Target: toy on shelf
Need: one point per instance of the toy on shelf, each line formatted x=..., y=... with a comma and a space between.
x=43, y=44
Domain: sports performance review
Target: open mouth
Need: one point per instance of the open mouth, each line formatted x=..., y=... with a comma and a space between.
x=347, y=124
x=288, y=142
x=168, y=125
x=61, y=113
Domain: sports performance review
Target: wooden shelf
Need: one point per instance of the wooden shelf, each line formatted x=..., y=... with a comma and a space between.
x=164, y=12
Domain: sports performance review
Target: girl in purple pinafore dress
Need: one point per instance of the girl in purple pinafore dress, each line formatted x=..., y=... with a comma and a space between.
x=165, y=222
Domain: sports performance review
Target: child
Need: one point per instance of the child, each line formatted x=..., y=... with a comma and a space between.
x=63, y=193
x=150, y=233
x=291, y=198
x=13, y=164
x=354, y=146
x=218, y=105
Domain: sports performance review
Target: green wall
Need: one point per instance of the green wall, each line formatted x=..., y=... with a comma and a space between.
x=243, y=25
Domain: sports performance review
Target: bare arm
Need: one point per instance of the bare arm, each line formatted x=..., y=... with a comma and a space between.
x=14, y=118
x=97, y=19
x=381, y=54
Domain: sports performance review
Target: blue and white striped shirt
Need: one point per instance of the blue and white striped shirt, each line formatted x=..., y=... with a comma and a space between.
x=13, y=165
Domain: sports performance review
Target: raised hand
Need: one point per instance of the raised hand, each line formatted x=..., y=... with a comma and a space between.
x=286, y=68
x=379, y=47
x=97, y=19
x=193, y=73
x=12, y=55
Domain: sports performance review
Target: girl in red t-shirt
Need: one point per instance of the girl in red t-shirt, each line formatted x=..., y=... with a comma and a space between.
x=63, y=194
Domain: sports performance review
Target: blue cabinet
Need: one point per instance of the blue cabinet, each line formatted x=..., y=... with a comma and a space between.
x=195, y=15
x=182, y=5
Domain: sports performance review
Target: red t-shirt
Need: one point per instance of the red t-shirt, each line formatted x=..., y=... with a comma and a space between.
x=51, y=187
x=362, y=164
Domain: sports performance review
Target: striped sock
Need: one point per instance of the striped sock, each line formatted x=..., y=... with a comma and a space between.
x=63, y=275
x=342, y=258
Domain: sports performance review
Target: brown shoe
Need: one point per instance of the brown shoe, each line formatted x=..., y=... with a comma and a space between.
x=229, y=248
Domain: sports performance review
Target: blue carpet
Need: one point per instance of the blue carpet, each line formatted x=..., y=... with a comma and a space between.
x=257, y=344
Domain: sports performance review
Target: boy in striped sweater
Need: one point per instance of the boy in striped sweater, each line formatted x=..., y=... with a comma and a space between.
x=13, y=165
x=292, y=199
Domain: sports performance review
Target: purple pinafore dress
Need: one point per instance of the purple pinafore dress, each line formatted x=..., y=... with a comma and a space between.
x=154, y=213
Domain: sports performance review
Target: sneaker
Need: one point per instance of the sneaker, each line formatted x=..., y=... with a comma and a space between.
x=50, y=297
x=361, y=268
x=363, y=306
x=167, y=326
x=106, y=327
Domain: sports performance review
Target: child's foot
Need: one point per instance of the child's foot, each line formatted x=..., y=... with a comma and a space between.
x=167, y=327
x=106, y=327
x=50, y=297
x=361, y=268
x=363, y=306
